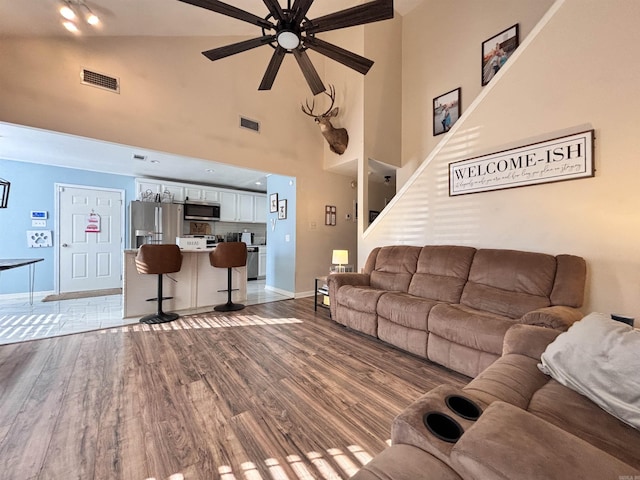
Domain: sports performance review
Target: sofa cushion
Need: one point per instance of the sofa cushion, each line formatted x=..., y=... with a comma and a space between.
x=405, y=309
x=404, y=462
x=509, y=443
x=394, y=268
x=581, y=417
x=512, y=379
x=359, y=298
x=441, y=272
x=509, y=282
x=469, y=327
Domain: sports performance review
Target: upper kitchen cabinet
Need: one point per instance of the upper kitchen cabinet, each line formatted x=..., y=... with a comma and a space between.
x=202, y=194
x=176, y=191
x=242, y=207
x=260, y=208
x=146, y=188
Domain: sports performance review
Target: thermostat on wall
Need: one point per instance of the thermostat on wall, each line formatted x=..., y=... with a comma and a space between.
x=38, y=215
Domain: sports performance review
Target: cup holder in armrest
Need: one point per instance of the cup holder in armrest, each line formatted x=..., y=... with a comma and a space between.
x=463, y=407
x=442, y=426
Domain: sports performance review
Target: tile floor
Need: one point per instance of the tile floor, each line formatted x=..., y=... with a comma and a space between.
x=20, y=321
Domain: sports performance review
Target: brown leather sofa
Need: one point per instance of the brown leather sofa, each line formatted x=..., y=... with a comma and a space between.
x=454, y=304
x=528, y=427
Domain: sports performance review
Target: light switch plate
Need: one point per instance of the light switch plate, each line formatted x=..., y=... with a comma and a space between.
x=38, y=223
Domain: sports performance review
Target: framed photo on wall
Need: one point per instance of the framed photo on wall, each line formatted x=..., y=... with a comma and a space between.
x=273, y=203
x=446, y=111
x=282, y=209
x=497, y=50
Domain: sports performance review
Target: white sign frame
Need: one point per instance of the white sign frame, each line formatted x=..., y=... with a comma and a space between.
x=559, y=159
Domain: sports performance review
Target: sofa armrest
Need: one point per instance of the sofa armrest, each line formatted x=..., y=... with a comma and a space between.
x=337, y=280
x=528, y=340
x=558, y=317
x=508, y=442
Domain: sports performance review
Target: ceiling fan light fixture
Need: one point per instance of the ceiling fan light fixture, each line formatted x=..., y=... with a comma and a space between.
x=67, y=11
x=288, y=40
x=69, y=25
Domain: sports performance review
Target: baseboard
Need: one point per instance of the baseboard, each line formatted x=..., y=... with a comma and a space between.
x=24, y=295
x=286, y=293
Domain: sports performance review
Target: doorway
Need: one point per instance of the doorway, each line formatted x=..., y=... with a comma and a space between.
x=89, y=228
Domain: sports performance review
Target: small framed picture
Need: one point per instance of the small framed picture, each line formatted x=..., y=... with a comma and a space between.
x=273, y=203
x=497, y=50
x=282, y=209
x=446, y=111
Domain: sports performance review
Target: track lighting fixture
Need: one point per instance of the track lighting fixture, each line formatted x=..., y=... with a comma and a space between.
x=73, y=10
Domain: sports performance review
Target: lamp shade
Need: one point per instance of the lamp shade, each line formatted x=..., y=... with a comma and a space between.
x=340, y=257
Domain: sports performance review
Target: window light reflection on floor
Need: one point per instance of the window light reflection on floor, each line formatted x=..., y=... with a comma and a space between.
x=203, y=321
x=297, y=464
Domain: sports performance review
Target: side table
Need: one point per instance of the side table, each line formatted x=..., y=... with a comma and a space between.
x=318, y=290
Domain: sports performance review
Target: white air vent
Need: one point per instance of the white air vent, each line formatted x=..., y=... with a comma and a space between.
x=100, y=80
x=250, y=124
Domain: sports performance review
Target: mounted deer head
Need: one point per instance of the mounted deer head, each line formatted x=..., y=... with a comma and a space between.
x=338, y=138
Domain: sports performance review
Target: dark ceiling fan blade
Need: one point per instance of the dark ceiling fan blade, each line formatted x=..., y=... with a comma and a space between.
x=231, y=11
x=345, y=57
x=300, y=9
x=221, y=52
x=272, y=69
x=350, y=17
x=309, y=72
x=275, y=9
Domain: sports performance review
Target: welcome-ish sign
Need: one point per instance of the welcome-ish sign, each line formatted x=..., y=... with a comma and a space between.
x=563, y=158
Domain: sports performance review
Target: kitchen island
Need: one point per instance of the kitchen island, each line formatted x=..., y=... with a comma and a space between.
x=195, y=286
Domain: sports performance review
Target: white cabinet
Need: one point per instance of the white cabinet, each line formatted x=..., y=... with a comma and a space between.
x=260, y=208
x=144, y=188
x=176, y=191
x=246, y=207
x=228, y=206
x=193, y=193
x=210, y=195
x=262, y=262
x=235, y=206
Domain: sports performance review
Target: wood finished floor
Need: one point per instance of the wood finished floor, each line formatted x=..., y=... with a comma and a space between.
x=274, y=391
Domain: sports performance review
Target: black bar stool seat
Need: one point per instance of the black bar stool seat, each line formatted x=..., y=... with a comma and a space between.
x=159, y=259
x=229, y=255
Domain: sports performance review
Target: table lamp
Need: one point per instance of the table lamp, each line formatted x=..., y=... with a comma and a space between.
x=340, y=258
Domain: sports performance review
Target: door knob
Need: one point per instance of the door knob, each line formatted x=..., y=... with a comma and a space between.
x=65, y=244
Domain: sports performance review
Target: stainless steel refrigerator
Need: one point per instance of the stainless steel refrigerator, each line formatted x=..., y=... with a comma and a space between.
x=151, y=222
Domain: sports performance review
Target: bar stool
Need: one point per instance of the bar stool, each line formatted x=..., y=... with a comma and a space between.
x=229, y=255
x=159, y=259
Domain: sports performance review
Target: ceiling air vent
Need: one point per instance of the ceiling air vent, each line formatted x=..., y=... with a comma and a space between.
x=250, y=124
x=99, y=80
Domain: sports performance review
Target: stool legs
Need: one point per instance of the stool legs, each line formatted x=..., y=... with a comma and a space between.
x=159, y=316
x=229, y=306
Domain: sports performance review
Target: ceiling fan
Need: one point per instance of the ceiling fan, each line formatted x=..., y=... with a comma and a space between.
x=288, y=30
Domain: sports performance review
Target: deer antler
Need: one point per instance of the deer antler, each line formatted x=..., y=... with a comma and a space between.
x=309, y=108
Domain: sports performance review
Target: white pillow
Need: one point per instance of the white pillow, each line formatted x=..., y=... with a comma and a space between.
x=599, y=358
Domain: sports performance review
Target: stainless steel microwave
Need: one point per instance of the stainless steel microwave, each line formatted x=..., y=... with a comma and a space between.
x=206, y=212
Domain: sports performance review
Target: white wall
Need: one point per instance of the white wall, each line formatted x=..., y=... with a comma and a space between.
x=579, y=71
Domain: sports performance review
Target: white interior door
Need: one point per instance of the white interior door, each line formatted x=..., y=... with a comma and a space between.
x=90, y=238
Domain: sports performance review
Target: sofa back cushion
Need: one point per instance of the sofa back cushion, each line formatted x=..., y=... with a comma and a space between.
x=394, y=267
x=509, y=282
x=571, y=277
x=442, y=272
